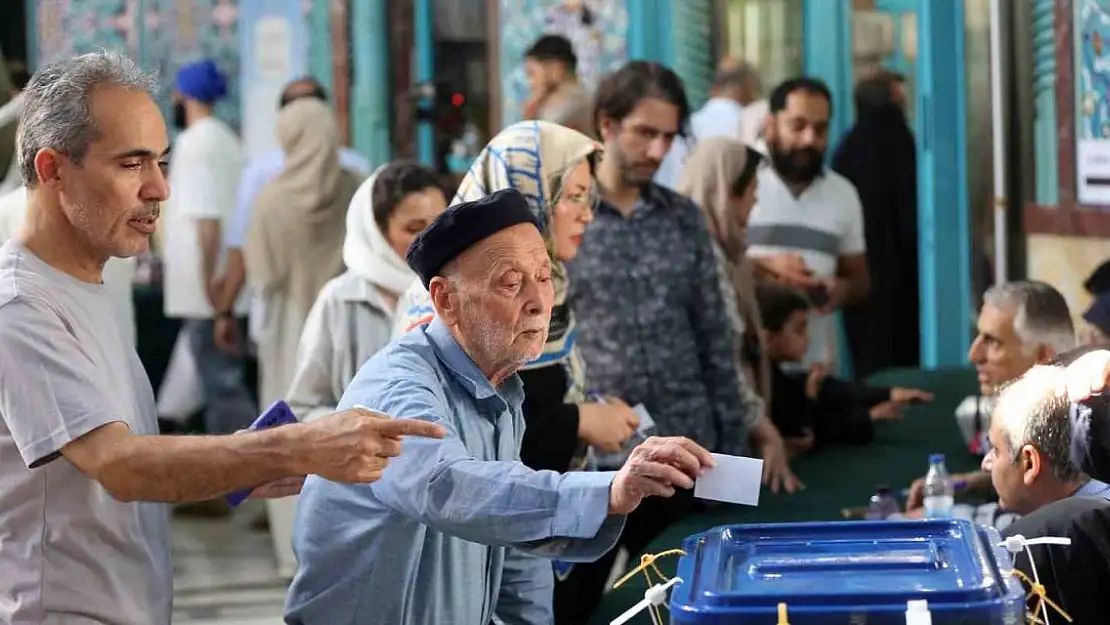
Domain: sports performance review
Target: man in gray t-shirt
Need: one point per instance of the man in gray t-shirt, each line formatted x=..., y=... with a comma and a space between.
x=80, y=454
x=74, y=370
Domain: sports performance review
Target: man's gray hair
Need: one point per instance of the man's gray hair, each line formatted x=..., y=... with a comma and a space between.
x=737, y=74
x=1041, y=315
x=56, y=108
x=1031, y=412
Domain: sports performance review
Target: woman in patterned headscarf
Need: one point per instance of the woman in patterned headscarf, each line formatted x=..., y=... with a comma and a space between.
x=553, y=167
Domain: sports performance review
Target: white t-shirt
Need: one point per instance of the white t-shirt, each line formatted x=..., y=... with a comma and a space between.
x=205, y=168
x=119, y=273
x=822, y=224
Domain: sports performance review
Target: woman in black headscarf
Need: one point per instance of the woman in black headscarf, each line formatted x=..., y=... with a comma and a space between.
x=879, y=156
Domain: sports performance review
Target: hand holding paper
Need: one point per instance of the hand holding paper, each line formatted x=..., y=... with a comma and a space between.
x=655, y=468
x=735, y=479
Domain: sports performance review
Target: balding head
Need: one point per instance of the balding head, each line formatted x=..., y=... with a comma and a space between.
x=736, y=79
x=306, y=87
x=496, y=298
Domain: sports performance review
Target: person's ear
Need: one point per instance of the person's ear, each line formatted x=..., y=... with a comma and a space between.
x=1031, y=463
x=445, y=300
x=48, y=167
x=1045, y=354
x=608, y=128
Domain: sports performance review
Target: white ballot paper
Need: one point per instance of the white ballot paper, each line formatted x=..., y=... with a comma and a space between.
x=735, y=479
x=646, y=424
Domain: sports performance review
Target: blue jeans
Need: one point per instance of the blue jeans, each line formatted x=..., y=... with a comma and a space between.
x=228, y=403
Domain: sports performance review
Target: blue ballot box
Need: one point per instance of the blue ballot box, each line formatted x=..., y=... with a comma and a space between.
x=846, y=574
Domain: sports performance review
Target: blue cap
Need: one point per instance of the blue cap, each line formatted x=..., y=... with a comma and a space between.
x=201, y=81
x=936, y=458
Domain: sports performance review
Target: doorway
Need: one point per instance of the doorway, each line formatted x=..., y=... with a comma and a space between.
x=924, y=41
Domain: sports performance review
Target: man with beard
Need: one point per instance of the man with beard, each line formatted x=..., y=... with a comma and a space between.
x=645, y=287
x=806, y=229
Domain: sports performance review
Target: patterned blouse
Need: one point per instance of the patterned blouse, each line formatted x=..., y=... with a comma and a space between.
x=653, y=323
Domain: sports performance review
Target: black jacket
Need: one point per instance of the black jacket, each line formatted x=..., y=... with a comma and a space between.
x=1076, y=577
x=840, y=414
x=551, y=426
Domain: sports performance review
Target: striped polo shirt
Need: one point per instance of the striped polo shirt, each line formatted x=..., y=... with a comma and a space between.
x=822, y=224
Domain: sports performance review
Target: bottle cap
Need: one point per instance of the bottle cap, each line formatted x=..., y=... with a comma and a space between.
x=936, y=458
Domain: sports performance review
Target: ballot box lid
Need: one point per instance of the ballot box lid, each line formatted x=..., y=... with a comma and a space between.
x=849, y=570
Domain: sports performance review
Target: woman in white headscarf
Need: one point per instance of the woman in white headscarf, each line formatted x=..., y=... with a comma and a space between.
x=352, y=317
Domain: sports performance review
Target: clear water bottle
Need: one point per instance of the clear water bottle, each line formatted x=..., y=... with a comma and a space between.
x=939, y=492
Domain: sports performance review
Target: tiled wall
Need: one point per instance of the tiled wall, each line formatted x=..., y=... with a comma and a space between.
x=160, y=34
x=599, y=43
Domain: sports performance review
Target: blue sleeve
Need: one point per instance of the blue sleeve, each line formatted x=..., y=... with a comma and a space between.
x=527, y=590
x=439, y=484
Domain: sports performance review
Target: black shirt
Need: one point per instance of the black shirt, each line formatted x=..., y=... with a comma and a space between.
x=840, y=414
x=1076, y=577
x=550, y=425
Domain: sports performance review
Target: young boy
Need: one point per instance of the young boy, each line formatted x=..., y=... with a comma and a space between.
x=812, y=409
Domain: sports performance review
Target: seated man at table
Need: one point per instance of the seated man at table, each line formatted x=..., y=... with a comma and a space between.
x=1021, y=324
x=442, y=537
x=814, y=409
x=1034, y=437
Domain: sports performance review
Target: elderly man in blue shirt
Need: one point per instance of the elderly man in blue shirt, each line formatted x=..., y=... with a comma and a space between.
x=444, y=536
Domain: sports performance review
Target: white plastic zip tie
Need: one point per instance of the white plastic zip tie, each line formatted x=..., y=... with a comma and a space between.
x=1016, y=543
x=654, y=596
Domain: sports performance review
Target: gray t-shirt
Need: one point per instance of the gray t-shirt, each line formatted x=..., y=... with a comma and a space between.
x=69, y=552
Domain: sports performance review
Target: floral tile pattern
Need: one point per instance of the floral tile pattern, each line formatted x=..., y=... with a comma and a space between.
x=159, y=34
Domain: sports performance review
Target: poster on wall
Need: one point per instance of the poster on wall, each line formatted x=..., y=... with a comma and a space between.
x=273, y=42
x=598, y=30
x=1092, y=106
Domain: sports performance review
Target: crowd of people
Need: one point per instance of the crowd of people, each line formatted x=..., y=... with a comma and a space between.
x=464, y=372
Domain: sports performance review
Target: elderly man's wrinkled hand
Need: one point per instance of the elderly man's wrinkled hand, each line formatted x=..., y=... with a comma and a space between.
x=356, y=445
x=1088, y=375
x=655, y=468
